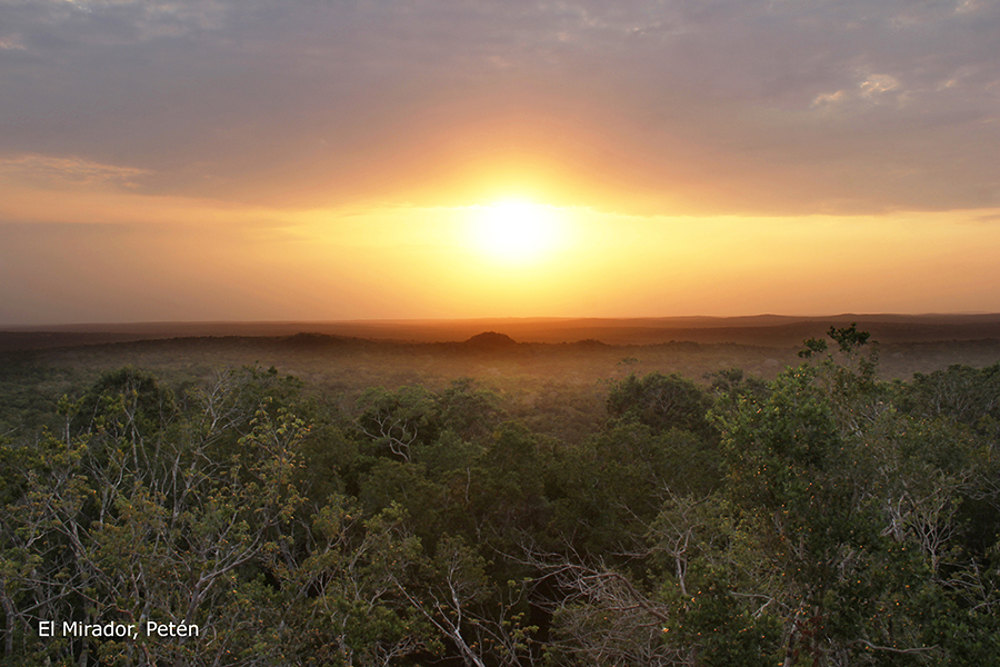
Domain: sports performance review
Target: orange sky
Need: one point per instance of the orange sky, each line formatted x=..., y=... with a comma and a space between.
x=274, y=161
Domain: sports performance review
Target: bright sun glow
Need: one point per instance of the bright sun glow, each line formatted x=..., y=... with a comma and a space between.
x=515, y=231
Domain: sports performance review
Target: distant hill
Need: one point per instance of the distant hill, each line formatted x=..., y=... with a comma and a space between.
x=490, y=340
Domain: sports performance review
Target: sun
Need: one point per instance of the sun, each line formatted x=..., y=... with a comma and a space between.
x=515, y=231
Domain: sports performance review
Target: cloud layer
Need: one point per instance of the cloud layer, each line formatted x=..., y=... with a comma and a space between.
x=722, y=106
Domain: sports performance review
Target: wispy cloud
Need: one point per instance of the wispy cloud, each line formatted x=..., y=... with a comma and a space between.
x=61, y=170
x=11, y=43
x=871, y=89
x=876, y=85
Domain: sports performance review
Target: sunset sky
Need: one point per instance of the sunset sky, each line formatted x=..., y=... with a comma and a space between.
x=348, y=159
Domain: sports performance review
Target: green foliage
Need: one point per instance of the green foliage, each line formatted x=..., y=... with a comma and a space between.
x=856, y=504
x=823, y=518
x=970, y=396
x=660, y=402
x=848, y=339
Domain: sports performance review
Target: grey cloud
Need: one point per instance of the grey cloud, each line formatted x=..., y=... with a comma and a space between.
x=839, y=104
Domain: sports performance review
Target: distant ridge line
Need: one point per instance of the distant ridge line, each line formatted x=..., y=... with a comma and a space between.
x=761, y=330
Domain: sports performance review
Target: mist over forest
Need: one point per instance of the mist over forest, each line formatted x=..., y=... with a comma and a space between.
x=309, y=497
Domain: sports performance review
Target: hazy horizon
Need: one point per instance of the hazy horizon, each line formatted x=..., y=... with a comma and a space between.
x=502, y=318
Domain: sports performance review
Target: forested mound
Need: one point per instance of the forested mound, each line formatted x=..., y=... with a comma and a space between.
x=490, y=340
x=825, y=517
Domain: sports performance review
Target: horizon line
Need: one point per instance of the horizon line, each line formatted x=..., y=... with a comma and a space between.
x=23, y=327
